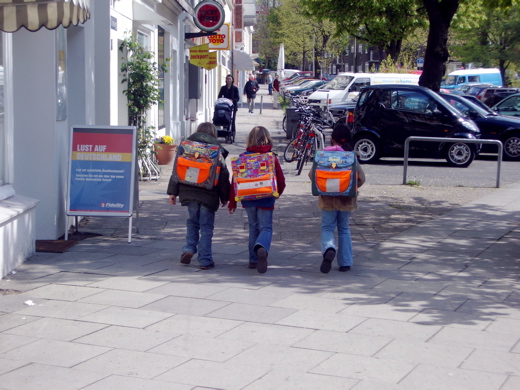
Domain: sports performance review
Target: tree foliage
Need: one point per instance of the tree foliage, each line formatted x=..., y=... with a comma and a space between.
x=493, y=40
x=381, y=23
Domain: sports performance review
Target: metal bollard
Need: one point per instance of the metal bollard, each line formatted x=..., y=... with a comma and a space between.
x=261, y=104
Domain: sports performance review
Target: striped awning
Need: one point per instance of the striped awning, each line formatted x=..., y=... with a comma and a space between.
x=35, y=14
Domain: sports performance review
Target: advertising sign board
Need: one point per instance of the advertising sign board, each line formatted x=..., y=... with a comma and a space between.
x=102, y=171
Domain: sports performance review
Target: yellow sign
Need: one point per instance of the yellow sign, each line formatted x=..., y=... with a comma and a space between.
x=221, y=40
x=200, y=56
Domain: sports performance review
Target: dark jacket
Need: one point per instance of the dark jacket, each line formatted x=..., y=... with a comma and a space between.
x=230, y=93
x=266, y=203
x=250, y=89
x=209, y=198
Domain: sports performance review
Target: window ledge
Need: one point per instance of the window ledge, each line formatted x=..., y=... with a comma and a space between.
x=14, y=206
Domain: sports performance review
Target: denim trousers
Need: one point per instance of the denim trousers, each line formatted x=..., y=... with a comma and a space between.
x=199, y=234
x=330, y=219
x=260, y=230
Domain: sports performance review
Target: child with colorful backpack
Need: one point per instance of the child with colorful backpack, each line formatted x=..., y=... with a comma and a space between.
x=259, y=206
x=336, y=209
x=201, y=198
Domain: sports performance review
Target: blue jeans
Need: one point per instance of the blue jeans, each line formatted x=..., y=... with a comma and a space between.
x=260, y=230
x=329, y=220
x=200, y=220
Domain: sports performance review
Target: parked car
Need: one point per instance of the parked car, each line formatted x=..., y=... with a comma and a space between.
x=305, y=88
x=491, y=126
x=344, y=112
x=509, y=106
x=488, y=92
x=477, y=88
x=498, y=97
x=386, y=115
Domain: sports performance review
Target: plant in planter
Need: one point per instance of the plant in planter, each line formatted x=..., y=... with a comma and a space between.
x=141, y=75
x=164, y=148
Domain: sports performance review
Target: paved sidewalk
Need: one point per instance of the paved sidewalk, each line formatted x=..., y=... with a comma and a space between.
x=435, y=306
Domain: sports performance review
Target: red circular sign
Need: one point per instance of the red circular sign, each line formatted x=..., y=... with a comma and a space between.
x=209, y=15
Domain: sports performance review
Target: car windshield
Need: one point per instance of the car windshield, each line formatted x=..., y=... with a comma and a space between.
x=450, y=80
x=338, y=83
x=464, y=105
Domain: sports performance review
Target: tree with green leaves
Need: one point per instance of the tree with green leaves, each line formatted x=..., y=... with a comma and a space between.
x=381, y=23
x=492, y=39
x=141, y=76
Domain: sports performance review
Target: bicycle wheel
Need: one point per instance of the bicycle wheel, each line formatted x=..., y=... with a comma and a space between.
x=284, y=123
x=304, y=156
x=291, y=151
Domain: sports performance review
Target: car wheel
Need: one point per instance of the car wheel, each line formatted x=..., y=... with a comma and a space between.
x=367, y=149
x=460, y=154
x=512, y=147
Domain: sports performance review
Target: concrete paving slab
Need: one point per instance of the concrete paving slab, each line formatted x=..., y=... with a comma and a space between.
x=55, y=329
x=266, y=334
x=31, y=377
x=297, y=380
x=131, y=383
x=44, y=352
x=475, y=339
x=182, y=305
x=252, y=313
x=125, y=317
x=194, y=325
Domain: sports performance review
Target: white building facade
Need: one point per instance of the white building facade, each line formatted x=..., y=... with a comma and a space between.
x=51, y=80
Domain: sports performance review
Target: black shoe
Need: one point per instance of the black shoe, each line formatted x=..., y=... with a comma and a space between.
x=186, y=257
x=328, y=258
x=252, y=265
x=344, y=268
x=206, y=267
x=262, y=260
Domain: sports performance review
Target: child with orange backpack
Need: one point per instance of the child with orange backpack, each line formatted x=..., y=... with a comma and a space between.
x=257, y=193
x=200, y=182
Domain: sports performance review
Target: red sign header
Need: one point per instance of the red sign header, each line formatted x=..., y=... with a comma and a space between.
x=209, y=15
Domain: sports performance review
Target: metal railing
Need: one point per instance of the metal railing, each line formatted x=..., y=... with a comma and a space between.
x=462, y=140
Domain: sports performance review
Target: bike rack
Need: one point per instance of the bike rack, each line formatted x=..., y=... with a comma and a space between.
x=463, y=140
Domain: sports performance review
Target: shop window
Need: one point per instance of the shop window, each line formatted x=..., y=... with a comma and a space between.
x=160, y=60
x=3, y=151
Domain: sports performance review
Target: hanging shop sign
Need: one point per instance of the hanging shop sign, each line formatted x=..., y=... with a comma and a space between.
x=209, y=15
x=201, y=56
x=220, y=41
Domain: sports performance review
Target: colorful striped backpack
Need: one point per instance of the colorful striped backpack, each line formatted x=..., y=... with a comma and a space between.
x=254, y=176
x=334, y=173
x=197, y=164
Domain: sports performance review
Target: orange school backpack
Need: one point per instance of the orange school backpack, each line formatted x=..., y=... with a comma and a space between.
x=197, y=164
x=334, y=173
x=254, y=176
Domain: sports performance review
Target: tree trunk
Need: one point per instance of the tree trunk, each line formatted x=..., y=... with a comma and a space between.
x=502, y=67
x=393, y=49
x=440, y=15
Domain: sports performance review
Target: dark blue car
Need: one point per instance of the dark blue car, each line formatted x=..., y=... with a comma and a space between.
x=491, y=126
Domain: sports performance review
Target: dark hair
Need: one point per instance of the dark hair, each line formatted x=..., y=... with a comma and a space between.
x=232, y=78
x=341, y=135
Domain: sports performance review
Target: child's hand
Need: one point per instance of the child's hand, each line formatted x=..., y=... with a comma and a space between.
x=171, y=199
x=224, y=203
x=232, y=210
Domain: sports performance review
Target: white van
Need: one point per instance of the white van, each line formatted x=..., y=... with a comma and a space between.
x=346, y=86
x=472, y=76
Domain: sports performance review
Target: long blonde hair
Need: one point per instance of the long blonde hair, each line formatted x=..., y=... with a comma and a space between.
x=259, y=136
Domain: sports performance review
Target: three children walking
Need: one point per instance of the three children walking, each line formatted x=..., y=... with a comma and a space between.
x=257, y=196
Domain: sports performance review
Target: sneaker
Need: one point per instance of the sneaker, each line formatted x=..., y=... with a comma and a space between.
x=186, y=257
x=208, y=266
x=328, y=258
x=252, y=265
x=262, y=260
x=344, y=268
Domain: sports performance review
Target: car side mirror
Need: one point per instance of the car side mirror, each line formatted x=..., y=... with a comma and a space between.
x=473, y=115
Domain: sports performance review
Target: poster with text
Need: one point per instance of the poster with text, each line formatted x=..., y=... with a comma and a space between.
x=102, y=171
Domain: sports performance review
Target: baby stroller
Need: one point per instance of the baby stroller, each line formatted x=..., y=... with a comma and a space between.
x=223, y=119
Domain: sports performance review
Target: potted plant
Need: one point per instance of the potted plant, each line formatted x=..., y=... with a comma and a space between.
x=164, y=148
x=141, y=75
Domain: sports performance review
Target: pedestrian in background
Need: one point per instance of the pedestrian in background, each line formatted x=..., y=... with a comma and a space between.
x=335, y=212
x=270, y=84
x=276, y=89
x=202, y=204
x=230, y=91
x=250, y=90
x=259, y=212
